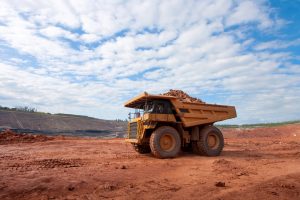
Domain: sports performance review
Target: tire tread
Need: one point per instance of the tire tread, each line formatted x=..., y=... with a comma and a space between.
x=200, y=147
x=155, y=146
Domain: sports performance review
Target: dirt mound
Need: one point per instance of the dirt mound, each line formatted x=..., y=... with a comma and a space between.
x=279, y=187
x=234, y=170
x=56, y=163
x=184, y=97
x=260, y=132
x=10, y=137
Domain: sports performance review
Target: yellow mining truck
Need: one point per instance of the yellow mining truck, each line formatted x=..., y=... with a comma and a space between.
x=164, y=125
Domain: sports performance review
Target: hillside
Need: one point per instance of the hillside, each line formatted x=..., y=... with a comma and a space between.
x=35, y=122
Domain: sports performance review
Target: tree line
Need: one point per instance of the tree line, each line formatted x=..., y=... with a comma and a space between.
x=19, y=108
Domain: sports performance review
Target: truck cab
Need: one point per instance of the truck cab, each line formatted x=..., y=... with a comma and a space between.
x=148, y=114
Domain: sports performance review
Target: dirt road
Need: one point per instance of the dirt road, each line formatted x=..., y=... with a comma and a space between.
x=260, y=163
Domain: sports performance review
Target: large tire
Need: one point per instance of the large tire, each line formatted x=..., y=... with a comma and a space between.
x=165, y=142
x=142, y=149
x=211, y=142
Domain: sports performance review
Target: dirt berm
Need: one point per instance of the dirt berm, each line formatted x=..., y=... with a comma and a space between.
x=10, y=137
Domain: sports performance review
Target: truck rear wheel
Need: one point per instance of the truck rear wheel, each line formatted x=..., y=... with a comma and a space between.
x=211, y=142
x=165, y=142
x=142, y=149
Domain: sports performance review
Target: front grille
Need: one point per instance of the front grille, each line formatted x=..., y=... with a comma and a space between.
x=133, y=130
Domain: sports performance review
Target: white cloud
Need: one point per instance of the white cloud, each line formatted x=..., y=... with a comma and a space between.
x=56, y=32
x=88, y=38
x=249, y=11
x=97, y=54
x=277, y=44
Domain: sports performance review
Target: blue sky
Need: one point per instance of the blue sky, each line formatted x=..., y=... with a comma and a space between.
x=89, y=57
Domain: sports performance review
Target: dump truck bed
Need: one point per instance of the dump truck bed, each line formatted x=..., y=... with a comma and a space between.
x=191, y=114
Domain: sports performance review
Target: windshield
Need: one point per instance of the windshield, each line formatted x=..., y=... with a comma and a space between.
x=158, y=106
x=149, y=107
x=155, y=106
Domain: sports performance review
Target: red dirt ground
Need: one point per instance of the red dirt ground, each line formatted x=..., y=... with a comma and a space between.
x=260, y=163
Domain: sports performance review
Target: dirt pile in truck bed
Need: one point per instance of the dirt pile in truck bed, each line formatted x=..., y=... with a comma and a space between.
x=184, y=97
x=10, y=137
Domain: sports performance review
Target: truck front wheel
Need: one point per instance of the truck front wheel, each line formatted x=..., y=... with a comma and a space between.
x=165, y=142
x=211, y=142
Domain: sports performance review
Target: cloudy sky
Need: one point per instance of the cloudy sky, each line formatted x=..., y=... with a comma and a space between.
x=88, y=57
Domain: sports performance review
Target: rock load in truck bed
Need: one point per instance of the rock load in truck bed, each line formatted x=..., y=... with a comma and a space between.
x=182, y=96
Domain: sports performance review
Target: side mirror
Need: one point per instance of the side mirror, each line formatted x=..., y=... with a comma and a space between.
x=129, y=116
